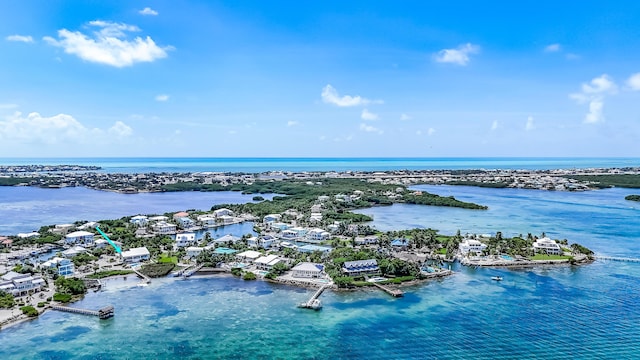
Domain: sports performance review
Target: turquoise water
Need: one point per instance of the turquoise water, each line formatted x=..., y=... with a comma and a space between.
x=588, y=312
x=137, y=165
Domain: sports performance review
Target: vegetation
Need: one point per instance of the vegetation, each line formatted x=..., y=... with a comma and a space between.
x=29, y=310
x=12, y=181
x=42, y=304
x=157, y=270
x=249, y=276
x=6, y=300
x=610, y=180
x=632, y=197
x=258, y=198
x=437, y=200
x=83, y=259
x=164, y=258
x=236, y=272
x=105, y=274
x=63, y=298
x=71, y=286
x=550, y=257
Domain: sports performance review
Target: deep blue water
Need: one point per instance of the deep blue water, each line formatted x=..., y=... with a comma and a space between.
x=253, y=165
x=587, y=312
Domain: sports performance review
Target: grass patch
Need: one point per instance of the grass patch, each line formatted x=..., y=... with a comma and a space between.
x=63, y=298
x=164, y=259
x=104, y=274
x=29, y=310
x=398, y=280
x=157, y=270
x=550, y=257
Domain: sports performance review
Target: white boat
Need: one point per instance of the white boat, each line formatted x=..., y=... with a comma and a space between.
x=496, y=278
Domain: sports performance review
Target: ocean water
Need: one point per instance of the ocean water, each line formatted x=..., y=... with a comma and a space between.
x=255, y=165
x=586, y=312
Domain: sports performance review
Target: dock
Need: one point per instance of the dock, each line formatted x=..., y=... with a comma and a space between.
x=314, y=302
x=190, y=272
x=392, y=292
x=144, y=277
x=615, y=258
x=104, y=313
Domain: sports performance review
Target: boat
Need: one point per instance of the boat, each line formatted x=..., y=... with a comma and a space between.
x=496, y=278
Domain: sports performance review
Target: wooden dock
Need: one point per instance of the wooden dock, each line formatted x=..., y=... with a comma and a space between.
x=104, y=313
x=392, y=292
x=144, y=277
x=190, y=272
x=615, y=258
x=313, y=302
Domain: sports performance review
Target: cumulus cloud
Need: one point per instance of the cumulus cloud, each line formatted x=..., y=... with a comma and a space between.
x=369, y=128
x=57, y=129
x=109, y=44
x=330, y=96
x=291, y=123
x=367, y=115
x=634, y=82
x=162, y=97
x=20, y=38
x=594, y=94
x=553, y=48
x=458, y=56
x=530, y=125
x=148, y=11
x=405, y=117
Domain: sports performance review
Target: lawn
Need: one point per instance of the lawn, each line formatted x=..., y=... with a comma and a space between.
x=550, y=257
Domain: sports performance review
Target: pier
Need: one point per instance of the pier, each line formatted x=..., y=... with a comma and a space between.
x=314, y=302
x=615, y=258
x=190, y=272
x=144, y=277
x=104, y=313
x=392, y=292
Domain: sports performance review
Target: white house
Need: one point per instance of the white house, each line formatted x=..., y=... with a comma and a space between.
x=158, y=218
x=135, y=255
x=266, y=241
x=186, y=222
x=317, y=208
x=267, y=262
x=88, y=225
x=471, y=246
x=30, y=235
x=185, y=239
x=315, y=217
x=207, y=220
x=307, y=270
x=279, y=226
x=367, y=240
x=271, y=218
x=248, y=256
x=194, y=251
x=222, y=212
x=547, y=246
x=164, y=228
x=64, y=267
x=62, y=228
x=225, y=239
x=139, y=220
x=80, y=237
x=74, y=251
x=21, y=284
x=317, y=235
x=360, y=267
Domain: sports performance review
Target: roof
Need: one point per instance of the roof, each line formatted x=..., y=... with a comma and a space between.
x=13, y=275
x=400, y=242
x=78, y=234
x=227, y=237
x=307, y=266
x=224, y=250
x=250, y=254
x=312, y=248
x=360, y=263
x=141, y=251
x=186, y=236
x=266, y=259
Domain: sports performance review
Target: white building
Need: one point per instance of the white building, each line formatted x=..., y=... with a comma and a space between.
x=207, y=220
x=185, y=239
x=267, y=262
x=547, y=246
x=158, y=218
x=248, y=256
x=222, y=212
x=367, y=240
x=225, y=239
x=30, y=235
x=318, y=235
x=80, y=237
x=472, y=246
x=64, y=267
x=186, y=222
x=135, y=255
x=164, y=228
x=307, y=270
x=74, y=251
x=21, y=284
x=271, y=218
x=194, y=251
x=139, y=220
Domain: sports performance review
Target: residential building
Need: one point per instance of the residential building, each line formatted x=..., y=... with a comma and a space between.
x=193, y=251
x=80, y=237
x=164, y=228
x=267, y=262
x=307, y=270
x=180, y=214
x=135, y=255
x=158, y=218
x=400, y=244
x=471, y=246
x=185, y=239
x=225, y=239
x=62, y=266
x=21, y=284
x=222, y=212
x=186, y=223
x=139, y=220
x=62, y=229
x=318, y=235
x=271, y=218
x=367, y=240
x=309, y=248
x=360, y=267
x=74, y=251
x=30, y=235
x=547, y=246
x=226, y=219
x=248, y=256
x=207, y=220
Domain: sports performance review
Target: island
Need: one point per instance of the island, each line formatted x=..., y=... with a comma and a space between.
x=632, y=197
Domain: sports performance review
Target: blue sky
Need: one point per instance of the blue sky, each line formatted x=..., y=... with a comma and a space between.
x=319, y=78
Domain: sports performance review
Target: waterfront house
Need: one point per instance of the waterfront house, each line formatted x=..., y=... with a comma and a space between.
x=62, y=266
x=62, y=229
x=135, y=255
x=164, y=228
x=309, y=248
x=360, y=267
x=367, y=240
x=267, y=262
x=30, y=235
x=88, y=225
x=5, y=242
x=194, y=251
x=400, y=244
x=271, y=218
x=102, y=243
x=222, y=212
x=186, y=223
x=139, y=220
x=471, y=246
x=307, y=270
x=185, y=239
x=225, y=239
x=207, y=220
x=226, y=219
x=266, y=241
x=74, y=251
x=248, y=256
x=21, y=284
x=547, y=246
x=288, y=234
x=279, y=226
x=80, y=237
x=158, y=218
x=180, y=214
x=317, y=235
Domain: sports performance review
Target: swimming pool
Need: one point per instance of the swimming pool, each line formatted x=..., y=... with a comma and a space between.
x=506, y=257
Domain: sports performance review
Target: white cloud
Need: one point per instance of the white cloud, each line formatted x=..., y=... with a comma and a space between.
x=292, y=123
x=494, y=125
x=109, y=45
x=162, y=97
x=367, y=115
x=148, y=11
x=529, y=125
x=459, y=56
x=20, y=38
x=553, y=48
x=58, y=129
x=369, y=128
x=634, y=82
x=431, y=131
x=594, y=94
x=405, y=117
x=330, y=96
x=120, y=130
